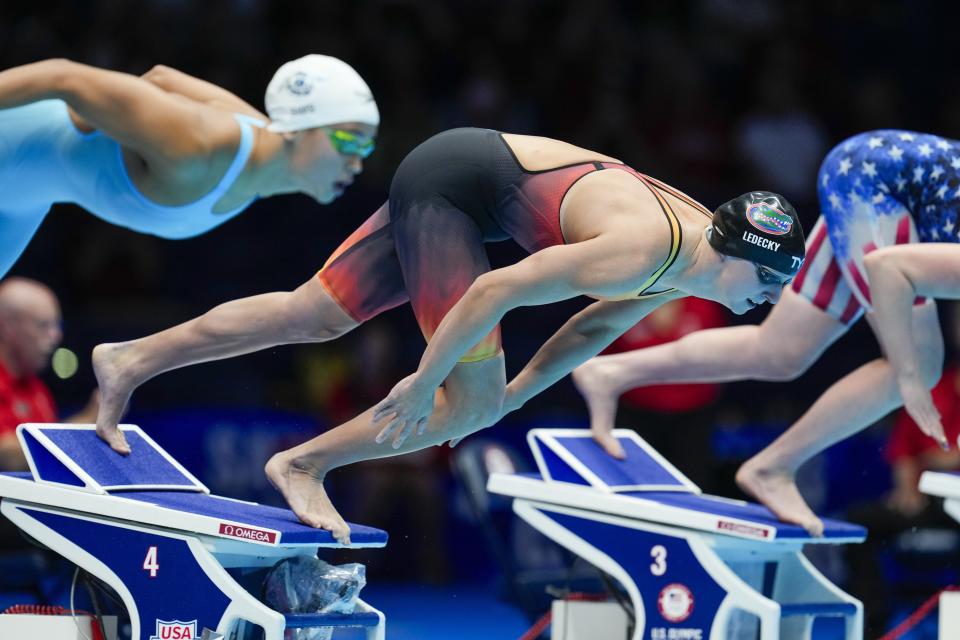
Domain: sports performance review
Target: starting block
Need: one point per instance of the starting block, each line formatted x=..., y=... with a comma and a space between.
x=695, y=567
x=145, y=526
x=946, y=485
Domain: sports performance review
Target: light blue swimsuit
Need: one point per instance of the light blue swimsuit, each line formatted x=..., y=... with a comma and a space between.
x=45, y=159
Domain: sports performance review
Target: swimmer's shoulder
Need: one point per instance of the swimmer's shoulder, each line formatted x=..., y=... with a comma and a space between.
x=631, y=209
x=209, y=140
x=614, y=203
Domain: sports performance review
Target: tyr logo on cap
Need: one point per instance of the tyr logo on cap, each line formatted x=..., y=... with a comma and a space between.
x=299, y=84
x=769, y=219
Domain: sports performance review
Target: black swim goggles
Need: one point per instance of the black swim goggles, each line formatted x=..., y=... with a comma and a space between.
x=766, y=275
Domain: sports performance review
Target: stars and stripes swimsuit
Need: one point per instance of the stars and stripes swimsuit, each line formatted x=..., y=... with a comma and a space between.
x=452, y=194
x=877, y=189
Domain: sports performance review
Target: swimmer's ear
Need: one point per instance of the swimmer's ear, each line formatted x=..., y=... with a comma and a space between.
x=707, y=233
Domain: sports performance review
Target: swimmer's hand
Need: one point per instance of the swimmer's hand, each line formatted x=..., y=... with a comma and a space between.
x=919, y=404
x=405, y=409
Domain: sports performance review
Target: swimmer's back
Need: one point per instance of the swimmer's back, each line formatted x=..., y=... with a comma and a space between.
x=536, y=153
x=32, y=142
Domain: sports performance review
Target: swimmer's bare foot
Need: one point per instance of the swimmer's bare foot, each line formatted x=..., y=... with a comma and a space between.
x=777, y=490
x=595, y=380
x=109, y=365
x=302, y=488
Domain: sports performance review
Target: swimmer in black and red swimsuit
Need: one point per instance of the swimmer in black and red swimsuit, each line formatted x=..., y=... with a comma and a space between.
x=592, y=225
x=441, y=211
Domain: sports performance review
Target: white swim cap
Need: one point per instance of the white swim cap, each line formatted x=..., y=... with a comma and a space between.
x=317, y=90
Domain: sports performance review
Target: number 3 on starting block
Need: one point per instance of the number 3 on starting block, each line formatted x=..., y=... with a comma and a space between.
x=659, y=554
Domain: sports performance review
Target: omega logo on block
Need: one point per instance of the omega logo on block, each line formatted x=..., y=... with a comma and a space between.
x=248, y=533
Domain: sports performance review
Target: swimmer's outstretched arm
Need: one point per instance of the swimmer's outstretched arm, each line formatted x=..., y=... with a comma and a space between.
x=175, y=81
x=897, y=276
x=606, y=265
x=582, y=337
x=133, y=112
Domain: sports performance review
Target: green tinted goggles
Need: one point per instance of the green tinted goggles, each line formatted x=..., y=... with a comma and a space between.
x=351, y=144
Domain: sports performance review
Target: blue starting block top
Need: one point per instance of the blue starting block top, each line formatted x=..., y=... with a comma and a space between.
x=571, y=456
x=576, y=472
x=255, y=517
x=73, y=455
x=750, y=519
x=71, y=468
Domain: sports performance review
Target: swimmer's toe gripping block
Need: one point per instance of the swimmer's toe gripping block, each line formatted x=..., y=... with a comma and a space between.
x=145, y=526
x=694, y=566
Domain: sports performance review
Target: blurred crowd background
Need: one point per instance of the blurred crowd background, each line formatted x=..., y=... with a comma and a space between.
x=716, y=97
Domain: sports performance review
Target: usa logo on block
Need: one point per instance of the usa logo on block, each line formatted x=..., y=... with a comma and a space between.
x=175, y=630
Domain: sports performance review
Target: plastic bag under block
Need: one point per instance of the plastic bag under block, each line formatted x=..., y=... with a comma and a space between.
x=305, y=584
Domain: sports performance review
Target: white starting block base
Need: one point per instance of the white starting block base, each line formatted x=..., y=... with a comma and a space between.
x=573, y=620
x=62, y=627
x=146, y=527
x=949, y=615
x=694, y=567
x=946, y=485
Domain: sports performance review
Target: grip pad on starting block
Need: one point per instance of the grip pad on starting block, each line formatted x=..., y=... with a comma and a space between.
x=571, y=456
x=74, y=456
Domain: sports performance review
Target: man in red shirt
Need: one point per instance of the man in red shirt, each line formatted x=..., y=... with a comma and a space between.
x=29, y=332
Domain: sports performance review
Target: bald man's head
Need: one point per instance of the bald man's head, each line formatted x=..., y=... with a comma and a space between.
x=29, y=325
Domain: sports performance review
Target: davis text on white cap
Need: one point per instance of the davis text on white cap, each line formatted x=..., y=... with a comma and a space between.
x=317, y=90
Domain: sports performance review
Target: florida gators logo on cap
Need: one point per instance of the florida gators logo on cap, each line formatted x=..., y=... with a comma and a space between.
x=769, y=219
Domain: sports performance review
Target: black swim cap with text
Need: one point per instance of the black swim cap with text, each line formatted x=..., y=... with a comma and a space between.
x=762, y=227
